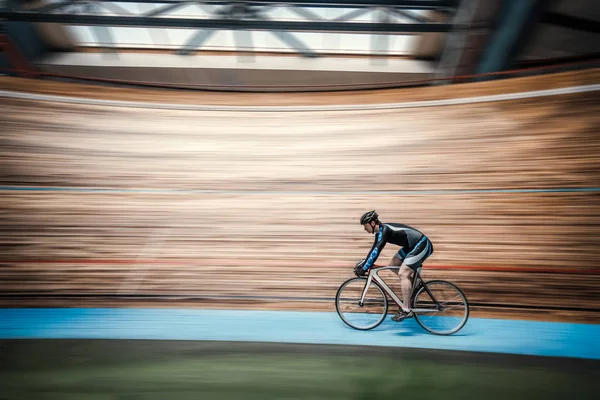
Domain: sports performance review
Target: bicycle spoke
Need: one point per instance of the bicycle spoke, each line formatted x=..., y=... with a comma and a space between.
x=366, y=316
x=450, y=305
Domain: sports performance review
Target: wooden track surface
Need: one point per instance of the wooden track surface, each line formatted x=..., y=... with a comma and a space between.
x=297, y=234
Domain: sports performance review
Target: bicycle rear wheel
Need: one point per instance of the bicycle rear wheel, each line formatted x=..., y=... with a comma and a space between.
x=362, y=317
x=443, y=314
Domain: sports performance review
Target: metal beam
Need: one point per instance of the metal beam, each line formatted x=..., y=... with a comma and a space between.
x=380, y=43
x=243, y=41
x=295, y=43
x=409, y=15
x=517, y=21
x=104, y=37
x=114, y=8
x=455, y=40
x=159, y=35
x=352, y=14
x=167, y=8
x=406, y=4
x=156, y=35
x=570, y=22
x=304, y=13
x=102, y=33
x=299, y=26
x=54, y=6
x=196, y=41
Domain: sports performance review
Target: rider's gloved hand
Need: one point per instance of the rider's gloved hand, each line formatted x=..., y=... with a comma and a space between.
x=358, y=268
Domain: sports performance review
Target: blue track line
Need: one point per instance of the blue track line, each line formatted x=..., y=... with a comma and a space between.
x=296, y=192
x=480, y=335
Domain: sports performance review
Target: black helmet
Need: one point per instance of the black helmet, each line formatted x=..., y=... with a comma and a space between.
x=368, y=217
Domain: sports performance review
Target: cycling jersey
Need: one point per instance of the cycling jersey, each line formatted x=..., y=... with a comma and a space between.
x=407, y=237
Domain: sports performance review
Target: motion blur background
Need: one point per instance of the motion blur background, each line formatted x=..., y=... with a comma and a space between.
x=218, y=155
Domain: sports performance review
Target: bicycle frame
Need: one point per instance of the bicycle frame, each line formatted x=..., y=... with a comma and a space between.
x=373, y=275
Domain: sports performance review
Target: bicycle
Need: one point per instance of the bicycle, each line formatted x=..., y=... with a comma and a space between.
x=431, y=306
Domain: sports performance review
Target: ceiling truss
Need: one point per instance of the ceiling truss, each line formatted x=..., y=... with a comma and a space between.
x=242, y=17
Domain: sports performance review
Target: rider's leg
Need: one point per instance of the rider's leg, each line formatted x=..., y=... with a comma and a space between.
x=405, y=274
x=396, y=261
x=405, y=278
x=413, y=260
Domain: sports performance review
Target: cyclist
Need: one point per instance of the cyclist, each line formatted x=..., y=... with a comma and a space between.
x=415, y=248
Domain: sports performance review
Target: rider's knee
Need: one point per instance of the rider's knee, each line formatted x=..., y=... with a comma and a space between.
x=405, y=272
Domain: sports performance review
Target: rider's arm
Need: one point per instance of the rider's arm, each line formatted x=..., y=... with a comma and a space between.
x=379, y=244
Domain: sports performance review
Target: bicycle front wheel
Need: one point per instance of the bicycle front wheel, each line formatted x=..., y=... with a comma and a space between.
x=362, y=317
x=441, y=309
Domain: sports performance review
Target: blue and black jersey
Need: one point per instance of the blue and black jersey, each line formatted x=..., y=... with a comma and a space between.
x=407, y=237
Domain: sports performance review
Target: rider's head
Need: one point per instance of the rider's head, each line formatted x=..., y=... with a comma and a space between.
x=370, y=221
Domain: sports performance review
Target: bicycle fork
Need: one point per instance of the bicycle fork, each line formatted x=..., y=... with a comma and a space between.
x=364, y=293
